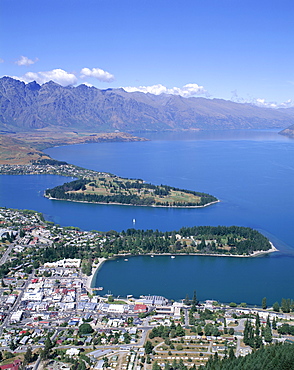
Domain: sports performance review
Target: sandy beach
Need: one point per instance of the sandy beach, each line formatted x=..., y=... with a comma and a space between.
x=95, y=268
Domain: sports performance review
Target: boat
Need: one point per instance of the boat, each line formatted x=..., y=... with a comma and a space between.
x=134, y=220
x=126, y=259
x=100, y=288
x=152, y=255
x=172, y=257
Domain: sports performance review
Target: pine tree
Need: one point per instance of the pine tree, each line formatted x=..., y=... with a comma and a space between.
x=276, y=307
x=268, y=322
x=263, y=304
x=187, y=300
x=194, y=302
x=148, y=347
x=268, y=337
x=257, y=341
x=155, y=366
x=285, y=305
x=231, y=353
x=246, y=333
x=28, y=356
x=274, y=323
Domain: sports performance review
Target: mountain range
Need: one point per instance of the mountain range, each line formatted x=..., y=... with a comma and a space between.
x=26, y=107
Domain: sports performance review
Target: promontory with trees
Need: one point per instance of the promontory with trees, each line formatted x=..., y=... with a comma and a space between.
x=232, y=240
x=89, y=246
x=108, y=188
x=102, y=187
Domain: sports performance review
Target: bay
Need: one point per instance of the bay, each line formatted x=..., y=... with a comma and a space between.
x=251, y=172
x=225, y=279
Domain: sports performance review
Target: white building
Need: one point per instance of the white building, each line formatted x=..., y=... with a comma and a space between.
x=16, y=316
x=69, y=262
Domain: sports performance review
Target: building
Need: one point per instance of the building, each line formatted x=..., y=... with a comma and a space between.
x=152, y=300
x=16, y=316
x=139, y=308
x=13, y=366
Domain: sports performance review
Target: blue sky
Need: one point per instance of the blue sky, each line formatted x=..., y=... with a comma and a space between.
x=229, y=49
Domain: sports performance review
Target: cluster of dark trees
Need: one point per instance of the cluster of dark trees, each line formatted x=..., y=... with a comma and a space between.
x=286, y=329
x=286, y=306
x=253, y=334
x=87, y=267
x=240, y=240
x=7, y=237
x=166, y=332
x=272, y=357
x=49, y=161
x=59, y=192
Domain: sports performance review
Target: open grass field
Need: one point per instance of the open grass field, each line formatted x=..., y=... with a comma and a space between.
x=107, y=188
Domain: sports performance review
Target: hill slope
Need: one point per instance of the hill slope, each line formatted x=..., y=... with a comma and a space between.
x=32, y=106
x=289, y=131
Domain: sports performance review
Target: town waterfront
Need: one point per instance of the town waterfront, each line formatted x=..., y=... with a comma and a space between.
x=251, y=172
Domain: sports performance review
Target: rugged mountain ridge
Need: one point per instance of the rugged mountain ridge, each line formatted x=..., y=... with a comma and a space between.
x=32, y=106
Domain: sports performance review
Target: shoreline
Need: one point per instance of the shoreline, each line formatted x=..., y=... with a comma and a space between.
x=132, y=205
x=101, y=261
x=95, y=269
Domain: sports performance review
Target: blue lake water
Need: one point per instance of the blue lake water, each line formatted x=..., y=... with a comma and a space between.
x=251, y=172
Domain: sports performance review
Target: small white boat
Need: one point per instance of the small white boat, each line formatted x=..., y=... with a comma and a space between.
x=152, y=255
x=172, y=257
x=134, y=220
x=126, y=259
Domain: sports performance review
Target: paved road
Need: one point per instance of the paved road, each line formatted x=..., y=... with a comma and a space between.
x=240, y=326
x=16, y=303
x=6, y=254
x=186, y=310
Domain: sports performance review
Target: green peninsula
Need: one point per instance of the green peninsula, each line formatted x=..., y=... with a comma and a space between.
x=108, y=188
x=102, y=187
x=209, y=240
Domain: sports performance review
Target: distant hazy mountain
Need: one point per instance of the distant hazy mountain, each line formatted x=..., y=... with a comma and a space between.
x=289, y=131
x=31, y=106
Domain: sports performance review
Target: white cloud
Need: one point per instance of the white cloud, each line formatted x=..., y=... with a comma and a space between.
x=185, y=91
x=97, y=73
x=25, y=61
x=57, y=75
x=287, y=104
x=263, y=103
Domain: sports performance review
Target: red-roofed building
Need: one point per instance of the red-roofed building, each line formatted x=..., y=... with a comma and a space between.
x=14, y=366
x=140, y=308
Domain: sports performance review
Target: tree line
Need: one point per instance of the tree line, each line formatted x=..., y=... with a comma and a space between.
x=204, y=239
x=276, y=357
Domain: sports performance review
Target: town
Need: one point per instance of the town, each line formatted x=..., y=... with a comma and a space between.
x=53, y=318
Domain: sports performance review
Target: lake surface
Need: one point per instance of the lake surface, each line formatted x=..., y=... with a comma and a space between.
x=251, y=172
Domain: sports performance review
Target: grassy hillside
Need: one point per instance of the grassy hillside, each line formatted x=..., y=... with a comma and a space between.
x=25, y=148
